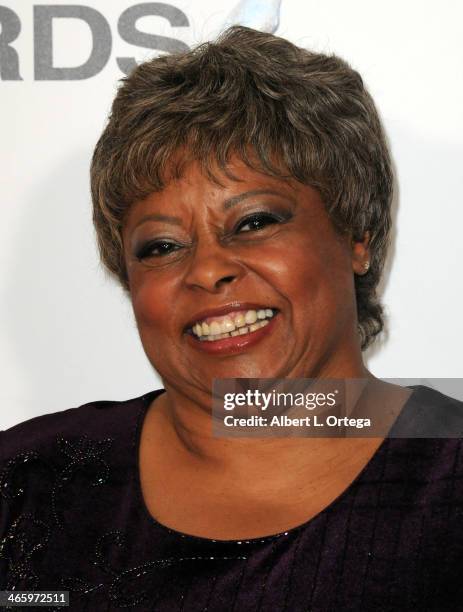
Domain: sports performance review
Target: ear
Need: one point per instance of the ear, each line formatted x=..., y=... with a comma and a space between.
x=361, y=254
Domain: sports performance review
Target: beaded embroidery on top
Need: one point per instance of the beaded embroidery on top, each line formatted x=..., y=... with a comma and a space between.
x=29, y=533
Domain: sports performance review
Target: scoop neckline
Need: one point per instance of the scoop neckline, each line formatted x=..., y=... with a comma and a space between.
x=149, y=397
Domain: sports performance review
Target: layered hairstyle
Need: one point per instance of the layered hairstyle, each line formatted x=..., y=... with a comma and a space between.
x=283, y=110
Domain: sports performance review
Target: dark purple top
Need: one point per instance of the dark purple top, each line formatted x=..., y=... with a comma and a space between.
x=73, y=518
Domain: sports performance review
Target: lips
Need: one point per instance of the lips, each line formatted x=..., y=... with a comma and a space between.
x=238, y=341
x=220, y=311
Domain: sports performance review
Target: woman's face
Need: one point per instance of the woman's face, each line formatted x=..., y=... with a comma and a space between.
x=204, y=259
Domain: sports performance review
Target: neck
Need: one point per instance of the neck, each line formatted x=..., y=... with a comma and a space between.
x=186, y=421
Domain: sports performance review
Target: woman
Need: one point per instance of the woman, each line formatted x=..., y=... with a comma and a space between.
x=242, y=197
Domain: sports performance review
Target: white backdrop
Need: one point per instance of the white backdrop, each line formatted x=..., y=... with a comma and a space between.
x=67, y=332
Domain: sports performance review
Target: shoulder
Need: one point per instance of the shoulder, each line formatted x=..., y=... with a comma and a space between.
x=425, y=446
x=433, y=397
x=93, y=420
x=429, y=413
x=61, y=476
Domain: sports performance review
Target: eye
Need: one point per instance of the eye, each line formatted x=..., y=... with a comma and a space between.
x=156, y=248
x=256, y=222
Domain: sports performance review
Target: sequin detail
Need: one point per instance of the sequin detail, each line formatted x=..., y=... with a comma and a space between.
x=80, y=453
x=26, y=536
x=11, y=475
x=134, y=585
x=30, y=532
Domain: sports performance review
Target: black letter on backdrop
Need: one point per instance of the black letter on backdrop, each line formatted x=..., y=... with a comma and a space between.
x=129, y=33
x=43, y=42
x=9, y=60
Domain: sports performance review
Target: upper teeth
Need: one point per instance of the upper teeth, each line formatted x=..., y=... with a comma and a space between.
x=231, y=322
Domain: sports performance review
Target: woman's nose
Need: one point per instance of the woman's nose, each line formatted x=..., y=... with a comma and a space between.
x=212, y=265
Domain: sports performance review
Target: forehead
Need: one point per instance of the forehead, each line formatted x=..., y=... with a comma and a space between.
x=194, y=183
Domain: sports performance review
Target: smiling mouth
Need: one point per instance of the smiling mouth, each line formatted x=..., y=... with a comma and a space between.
x=237, y=323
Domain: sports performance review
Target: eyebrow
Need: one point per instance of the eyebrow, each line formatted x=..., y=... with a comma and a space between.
x=230, y=202
x=159, y=217
x=227, y=204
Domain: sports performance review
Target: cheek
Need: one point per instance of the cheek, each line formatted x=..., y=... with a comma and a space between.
x=154, y=317
x=150, y=309
x=314, y=275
